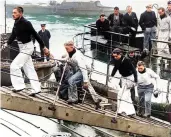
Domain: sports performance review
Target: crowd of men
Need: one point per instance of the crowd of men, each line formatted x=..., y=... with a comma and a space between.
x=77, y=70
x=128, y=24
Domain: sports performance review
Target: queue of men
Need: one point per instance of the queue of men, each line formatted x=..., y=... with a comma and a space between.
x=128, y=24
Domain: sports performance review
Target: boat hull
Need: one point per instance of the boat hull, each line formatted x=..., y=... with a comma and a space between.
x=43, y=69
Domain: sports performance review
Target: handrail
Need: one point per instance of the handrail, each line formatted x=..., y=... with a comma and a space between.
x=110, y=32
x=169, y=42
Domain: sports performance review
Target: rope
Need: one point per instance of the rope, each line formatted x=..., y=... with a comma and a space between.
x=114, y=99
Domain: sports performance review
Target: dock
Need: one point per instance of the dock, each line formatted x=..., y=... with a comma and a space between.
x=84, y=113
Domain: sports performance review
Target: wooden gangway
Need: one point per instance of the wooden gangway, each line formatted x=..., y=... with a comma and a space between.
x=84, y=113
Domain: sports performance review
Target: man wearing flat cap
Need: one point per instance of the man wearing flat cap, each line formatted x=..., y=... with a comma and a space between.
x=45, y=35
x=148, y=23
x=168, y=10
x=128, y=80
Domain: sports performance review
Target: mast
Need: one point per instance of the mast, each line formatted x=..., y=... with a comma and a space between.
x=5, y=17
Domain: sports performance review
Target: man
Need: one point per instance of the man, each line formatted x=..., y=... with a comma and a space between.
x=168, y=13
x=127, y=71
x=102, y=25
x=148, y=23
x=145, y=88
x=164, y=31
x=80, y=74
x=22, y=31
x=168, y=10
x=115, y=20
x=45, y=35
x=130, y=22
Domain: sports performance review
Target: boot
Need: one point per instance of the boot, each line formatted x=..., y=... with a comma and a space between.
x=72, y=94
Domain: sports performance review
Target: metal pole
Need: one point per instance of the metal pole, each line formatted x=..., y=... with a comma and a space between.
x=5, y=17
x=83, y=38
x=56, y=97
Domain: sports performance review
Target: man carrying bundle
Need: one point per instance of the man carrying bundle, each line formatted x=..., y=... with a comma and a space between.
x=79, y=74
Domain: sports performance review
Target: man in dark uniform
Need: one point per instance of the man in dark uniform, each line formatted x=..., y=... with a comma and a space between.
x=127, y=71
x=23, y=31
x=130, y=23
x=115, y=20
x=45, y=35
x=102, y=25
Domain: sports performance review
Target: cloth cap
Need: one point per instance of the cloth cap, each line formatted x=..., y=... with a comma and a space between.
x=169, y=2
x=117, y=50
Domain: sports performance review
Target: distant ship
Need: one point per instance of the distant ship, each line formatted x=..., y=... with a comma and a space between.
x=67, y=7
x=29, y=8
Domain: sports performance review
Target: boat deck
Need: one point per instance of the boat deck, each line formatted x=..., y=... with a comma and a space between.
x=84, y=113
x=100, y=40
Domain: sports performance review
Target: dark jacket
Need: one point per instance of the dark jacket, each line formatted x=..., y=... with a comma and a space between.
x=125, y=68
x=148, y=20
x=23, y=31
x=111, y=18
x=45, y=37
x=102, y=26
x=130, y=20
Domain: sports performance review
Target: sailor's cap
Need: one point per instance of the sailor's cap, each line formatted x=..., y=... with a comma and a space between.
x=43, y=25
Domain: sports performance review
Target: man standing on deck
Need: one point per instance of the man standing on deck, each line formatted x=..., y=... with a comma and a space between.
x=129, y=77
x=102, y=25
x=23, y=31
x=168, y=13
x=130, y=23
x=45, y=35
x=164, y=31
x=148, y=23
x=115, y=20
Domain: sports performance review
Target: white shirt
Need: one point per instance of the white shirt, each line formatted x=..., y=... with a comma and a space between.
x=147, y=77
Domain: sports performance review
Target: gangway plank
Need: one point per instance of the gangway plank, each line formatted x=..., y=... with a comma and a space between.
x=77, y=113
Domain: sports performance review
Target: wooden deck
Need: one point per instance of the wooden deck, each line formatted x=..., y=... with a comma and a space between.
x=80, y=113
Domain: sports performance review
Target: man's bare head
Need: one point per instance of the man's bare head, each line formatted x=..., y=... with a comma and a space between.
x=17, y=13
x=69, y=46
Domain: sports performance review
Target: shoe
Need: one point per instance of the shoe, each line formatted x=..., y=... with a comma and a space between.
x=146, y=115
x=34, y=93
x=15, y=91
x=97, y=104
x=70, y=101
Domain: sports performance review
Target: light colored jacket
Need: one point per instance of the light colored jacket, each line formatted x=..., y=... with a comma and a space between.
x=164, y=24
x=147, y=78
x=79, y=63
